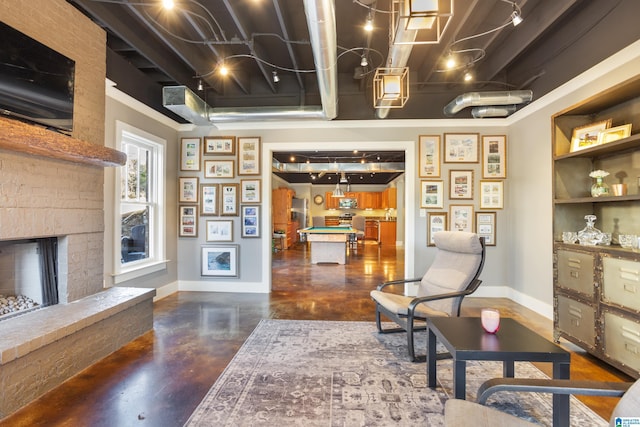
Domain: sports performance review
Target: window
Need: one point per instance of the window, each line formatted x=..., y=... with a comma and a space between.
x=139, y=223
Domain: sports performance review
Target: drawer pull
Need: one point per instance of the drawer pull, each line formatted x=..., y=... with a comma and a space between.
x=630, y=288
x=634, y=333
x=575, y=322
x=575, y=312
x=574, y=274
x=628, y=276
x=574, y=263
x=631, y=348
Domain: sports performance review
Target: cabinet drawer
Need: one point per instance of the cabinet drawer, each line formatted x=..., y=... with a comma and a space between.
x=621, y=282
x=575, y=271
x=622, y=340
x=576, y=319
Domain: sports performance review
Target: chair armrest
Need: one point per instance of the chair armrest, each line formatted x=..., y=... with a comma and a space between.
x=397, y=282
x=585, y=388
x=469, y=290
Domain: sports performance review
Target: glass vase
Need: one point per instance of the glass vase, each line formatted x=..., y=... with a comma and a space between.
x=599, y=188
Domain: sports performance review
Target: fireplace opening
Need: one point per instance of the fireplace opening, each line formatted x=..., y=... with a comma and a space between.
x=28, y=275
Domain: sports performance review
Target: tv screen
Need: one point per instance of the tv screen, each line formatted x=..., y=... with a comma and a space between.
x=36, y=82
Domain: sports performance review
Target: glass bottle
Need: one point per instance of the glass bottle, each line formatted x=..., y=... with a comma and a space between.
x=599, y=188
x=590, y=236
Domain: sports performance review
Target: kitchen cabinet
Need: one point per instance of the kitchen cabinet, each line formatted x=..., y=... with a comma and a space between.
x=389, y=196
x=369, y=200
x=387, y=231
x=330, y=202
x=597, y=288
x=371, y=229
x=281, y=200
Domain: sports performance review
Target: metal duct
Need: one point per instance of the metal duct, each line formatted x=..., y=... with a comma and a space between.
x=475, y=99
x=321, y=20
x=493, y=111
x=398, y=57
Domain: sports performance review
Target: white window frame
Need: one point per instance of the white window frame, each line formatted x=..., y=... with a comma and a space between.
x=157, y=186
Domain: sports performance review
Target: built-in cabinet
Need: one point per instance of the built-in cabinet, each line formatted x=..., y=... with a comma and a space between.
x=371, y=229
x=366, y=199
x=597, y=288
x=281, y=200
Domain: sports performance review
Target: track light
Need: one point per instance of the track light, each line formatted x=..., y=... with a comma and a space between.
x=451, y=62
x=276, y=78
x=223, y=69
x=515, y=17
x=468, y=76
x=168, y=4
x=368, y=25
x=200, y=87
x=363, y=61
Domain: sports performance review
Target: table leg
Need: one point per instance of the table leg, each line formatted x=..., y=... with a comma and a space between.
x=431, y=358
x=459, y=379
x=561, y=401
x=508, y=369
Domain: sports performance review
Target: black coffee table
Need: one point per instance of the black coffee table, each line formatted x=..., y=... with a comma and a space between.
x=465, y=339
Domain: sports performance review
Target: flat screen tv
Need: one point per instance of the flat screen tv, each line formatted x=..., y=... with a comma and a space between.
x=36, y=82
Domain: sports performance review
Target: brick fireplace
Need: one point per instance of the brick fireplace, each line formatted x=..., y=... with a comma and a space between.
x=51, y=185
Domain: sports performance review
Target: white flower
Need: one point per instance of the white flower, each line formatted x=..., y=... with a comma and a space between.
x=598, y=174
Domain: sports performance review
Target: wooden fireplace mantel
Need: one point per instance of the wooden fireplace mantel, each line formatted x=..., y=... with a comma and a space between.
x=25, y=138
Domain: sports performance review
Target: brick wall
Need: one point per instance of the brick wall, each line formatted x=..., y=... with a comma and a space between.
x=45, y=197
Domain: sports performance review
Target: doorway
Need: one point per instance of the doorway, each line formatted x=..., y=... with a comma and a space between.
x=407, y=197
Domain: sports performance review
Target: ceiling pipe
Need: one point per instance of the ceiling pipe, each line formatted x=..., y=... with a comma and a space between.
x=478, y=99
x=321, y=20
x=493, y=111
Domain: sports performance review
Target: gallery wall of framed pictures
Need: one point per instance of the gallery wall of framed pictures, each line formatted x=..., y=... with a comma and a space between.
x=219, y=177
x=462, y=182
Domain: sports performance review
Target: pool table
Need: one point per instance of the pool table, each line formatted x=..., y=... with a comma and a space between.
x=329, y=244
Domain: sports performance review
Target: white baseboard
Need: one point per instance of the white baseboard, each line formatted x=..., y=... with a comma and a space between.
x=220, y=286
x=540, y=307
x=165, y=291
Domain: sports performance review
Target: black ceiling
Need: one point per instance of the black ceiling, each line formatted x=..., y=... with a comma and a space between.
x=357, y=167
x=150, y=47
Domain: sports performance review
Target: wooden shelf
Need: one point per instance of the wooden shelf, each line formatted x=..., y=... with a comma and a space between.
x=604, y=150
x=606, y=199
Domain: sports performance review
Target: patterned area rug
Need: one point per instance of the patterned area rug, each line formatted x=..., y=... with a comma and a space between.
x=325, y=373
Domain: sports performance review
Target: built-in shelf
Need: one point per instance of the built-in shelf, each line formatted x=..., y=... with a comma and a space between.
x=38, y=141
x=603, y=150
x=605, y=199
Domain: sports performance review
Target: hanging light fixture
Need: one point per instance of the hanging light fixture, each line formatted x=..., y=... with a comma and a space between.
x=428, y=18
x=390, y=87
x=516, y=18
x=337, y=192
x=421, y=14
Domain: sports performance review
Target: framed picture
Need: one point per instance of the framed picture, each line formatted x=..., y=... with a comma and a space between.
x=486, y=227
x=251, y=221
x=219, y=169
x=209, y=197
x=188, y=190
x=461, y=217
x=436, y=221
x=250, y=190
x=429, y=156
x=220, y=260
x=432, y=194
x=460, y=184
x=249, y=156
x=491, y=194
x=614, y=134
x=587, y=136
x=461, y=147
x=494, y=156
x=229, y=197
x=190, y=154
x=220, y=145
x=188, y=221
x=219, y=231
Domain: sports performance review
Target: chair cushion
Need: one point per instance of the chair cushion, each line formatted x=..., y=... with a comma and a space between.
x=454, y=266
x=458, y=241
x=399, y=304
x=463, y=413
x=628, y=404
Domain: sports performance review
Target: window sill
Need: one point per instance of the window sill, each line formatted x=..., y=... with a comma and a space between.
x=135, y=272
